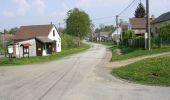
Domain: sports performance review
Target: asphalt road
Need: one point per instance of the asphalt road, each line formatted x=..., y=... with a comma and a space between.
x=82, y=76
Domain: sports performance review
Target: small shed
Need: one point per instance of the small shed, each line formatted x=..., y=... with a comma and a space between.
x=25, y=47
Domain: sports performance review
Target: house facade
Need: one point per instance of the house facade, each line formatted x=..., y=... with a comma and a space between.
x=158, y=22
x=43, y=40
x=116, y=35
x=138, y=25
x=105, y=36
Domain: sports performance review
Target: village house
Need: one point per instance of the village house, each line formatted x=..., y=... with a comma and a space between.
x=37, y=40
x=138, y=25
x=6, y=36
x=105, y=36
x=158, y=22
x=116, y=35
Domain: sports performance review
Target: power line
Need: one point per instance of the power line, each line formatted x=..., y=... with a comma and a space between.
x=127, y=7
x=103, y=18
x=109, y=22
x=108, y=17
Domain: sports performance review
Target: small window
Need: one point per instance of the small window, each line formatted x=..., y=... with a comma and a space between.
x=53, y=33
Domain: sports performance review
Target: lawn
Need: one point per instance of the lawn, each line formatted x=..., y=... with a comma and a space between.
x=154, y=71
x=31, y=60
x=128, y=52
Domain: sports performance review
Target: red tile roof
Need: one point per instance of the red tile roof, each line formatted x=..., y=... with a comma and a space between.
x=6, y=35
x=26, y=32
x=26, y=44
x=138, y=23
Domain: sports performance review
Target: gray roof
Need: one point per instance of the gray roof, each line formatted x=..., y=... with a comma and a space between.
x=162, y=18
x=44, y=39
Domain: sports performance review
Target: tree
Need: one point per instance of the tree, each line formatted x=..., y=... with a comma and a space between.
x=140, y=11
x=5, y=31
x=107, y=28
x=77, y=23
x=13, y=30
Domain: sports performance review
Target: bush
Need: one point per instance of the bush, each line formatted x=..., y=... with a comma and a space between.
x=156, y=42
x=68, y=41
x=138, y=42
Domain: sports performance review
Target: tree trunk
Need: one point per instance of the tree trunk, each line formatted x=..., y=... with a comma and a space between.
x=78, y=40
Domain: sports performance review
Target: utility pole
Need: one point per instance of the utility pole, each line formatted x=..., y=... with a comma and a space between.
x=148, y=24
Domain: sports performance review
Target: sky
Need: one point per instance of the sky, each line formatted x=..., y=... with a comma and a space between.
x=16, y=13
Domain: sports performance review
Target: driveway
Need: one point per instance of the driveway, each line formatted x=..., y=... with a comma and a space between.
x=83, y=76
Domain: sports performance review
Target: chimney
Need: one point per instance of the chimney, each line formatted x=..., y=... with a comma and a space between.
x=153, y=17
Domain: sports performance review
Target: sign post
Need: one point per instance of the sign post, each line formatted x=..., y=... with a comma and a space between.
x=10, y=51
x=146, y=38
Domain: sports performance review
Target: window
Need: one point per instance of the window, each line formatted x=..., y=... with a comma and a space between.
x=53, y=33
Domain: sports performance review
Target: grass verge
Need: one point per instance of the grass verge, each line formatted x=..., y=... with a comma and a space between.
x=31, y=60
x=154, y=71
x=128, y=52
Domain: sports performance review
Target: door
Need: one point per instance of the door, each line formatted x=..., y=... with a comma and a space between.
x=39, y=48
x=49, y=48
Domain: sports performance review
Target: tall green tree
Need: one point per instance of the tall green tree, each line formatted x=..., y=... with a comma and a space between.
x=78, y=23
x=140, y=11
x=13, y=30
x=105, y=28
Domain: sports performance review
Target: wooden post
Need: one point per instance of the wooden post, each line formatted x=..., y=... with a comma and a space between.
x=148, y=24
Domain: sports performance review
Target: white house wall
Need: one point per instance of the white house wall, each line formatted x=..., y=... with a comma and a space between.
x=56, y=38
x=32, y=48
x=116, y=35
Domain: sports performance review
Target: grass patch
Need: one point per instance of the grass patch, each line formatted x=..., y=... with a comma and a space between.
x=31, y=60
x=128, y=52
x=154, y=71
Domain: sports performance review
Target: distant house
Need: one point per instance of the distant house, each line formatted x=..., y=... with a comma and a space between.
x=105, y=36
x=116, y=35
x=7, y=36
x=41, y=39
x=138, y=25
x=158, y=22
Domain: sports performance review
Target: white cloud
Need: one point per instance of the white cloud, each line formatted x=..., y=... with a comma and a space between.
x=24, y=7
x=98, y=3
x=40, y=7
x=8, y=13
x=61, y=13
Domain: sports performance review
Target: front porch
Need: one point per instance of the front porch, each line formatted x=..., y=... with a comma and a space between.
x=45, y=46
